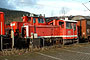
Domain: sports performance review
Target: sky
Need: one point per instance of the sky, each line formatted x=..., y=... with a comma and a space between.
x=49, y=7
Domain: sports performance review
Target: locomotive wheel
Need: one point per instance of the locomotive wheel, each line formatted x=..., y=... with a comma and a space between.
x=64, y=42
x=57, y=42
x=61, y=41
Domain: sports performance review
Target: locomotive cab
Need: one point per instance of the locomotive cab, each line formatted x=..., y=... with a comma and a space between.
x=38, y=21
x=68, y=29
x=34, y=20
x=71, y=31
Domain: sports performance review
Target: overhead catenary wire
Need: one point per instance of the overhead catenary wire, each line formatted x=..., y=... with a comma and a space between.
x=86, y=6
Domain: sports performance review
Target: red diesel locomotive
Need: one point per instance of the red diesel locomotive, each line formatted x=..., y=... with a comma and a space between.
x=37, y=31
x=42, y=33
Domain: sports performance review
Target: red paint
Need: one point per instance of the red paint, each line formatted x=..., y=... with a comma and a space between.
x=3, y=25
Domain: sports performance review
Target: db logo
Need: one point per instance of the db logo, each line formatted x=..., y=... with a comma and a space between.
x=69, y=32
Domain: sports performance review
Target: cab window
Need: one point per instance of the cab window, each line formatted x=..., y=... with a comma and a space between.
x=51, y=23
x=68, y=25
x=34, y=20
x=29, y=19
x=40, y=20
x=61, y=24
x=74, y=26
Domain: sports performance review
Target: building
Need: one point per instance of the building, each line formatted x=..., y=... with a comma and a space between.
x=83, y=26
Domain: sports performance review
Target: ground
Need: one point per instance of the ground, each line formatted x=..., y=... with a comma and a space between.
x=70, y=52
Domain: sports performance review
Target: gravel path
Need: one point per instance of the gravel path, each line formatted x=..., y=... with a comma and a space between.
x=77, y=52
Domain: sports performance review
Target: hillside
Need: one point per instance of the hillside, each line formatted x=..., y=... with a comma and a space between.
x=13, y=15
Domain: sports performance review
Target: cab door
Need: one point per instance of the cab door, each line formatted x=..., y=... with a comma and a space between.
x=75, y=30
x=61, y=24
x=25, y=31
x=69, y=30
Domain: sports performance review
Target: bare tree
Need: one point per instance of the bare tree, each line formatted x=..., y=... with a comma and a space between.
x=64, y=10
